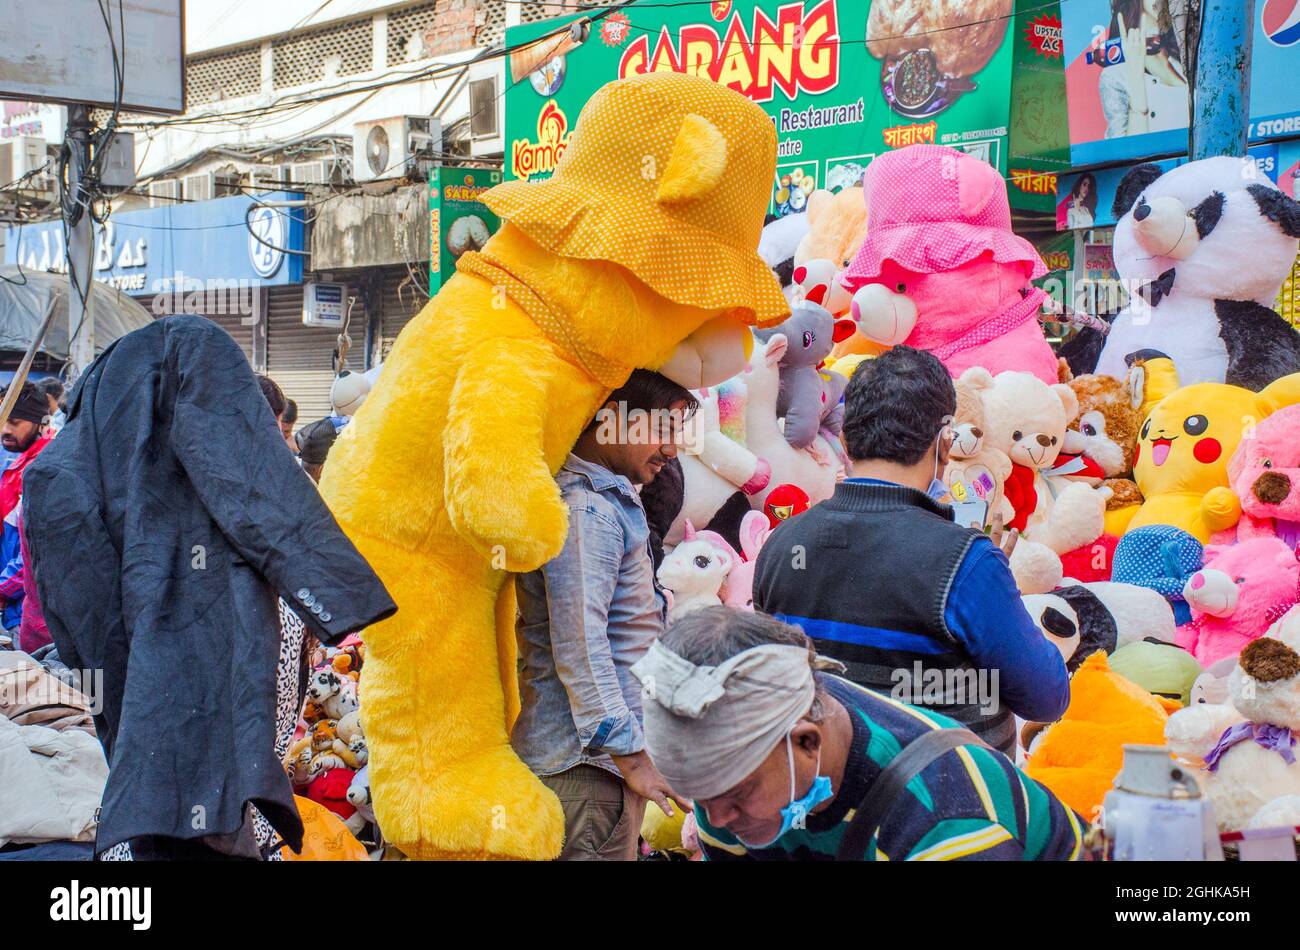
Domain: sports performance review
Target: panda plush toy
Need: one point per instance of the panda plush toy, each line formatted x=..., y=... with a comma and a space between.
x=1210, y=243
x=776, y=246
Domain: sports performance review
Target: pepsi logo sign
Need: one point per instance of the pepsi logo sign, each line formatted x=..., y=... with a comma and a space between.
x=1280, y=20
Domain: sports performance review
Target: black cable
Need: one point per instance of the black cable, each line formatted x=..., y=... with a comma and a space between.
x=430, y=72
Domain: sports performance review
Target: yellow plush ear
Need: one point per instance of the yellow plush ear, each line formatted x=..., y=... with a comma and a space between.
x=1150, y=380
x=1280, y=392
x=698, y=159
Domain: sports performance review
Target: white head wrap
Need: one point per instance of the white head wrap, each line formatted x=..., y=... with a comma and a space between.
x=707, y=727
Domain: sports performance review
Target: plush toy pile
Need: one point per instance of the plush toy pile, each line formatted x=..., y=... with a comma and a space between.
x=328, y=762
x=1156, y=489
x=1157, y=498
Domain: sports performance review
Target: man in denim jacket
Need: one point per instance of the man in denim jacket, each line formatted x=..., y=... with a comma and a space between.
x=587, y=616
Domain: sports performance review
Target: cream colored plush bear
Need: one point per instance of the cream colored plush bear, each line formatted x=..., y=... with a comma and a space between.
x=974, y=462
x=837, y=226
x=1251, y=774
x=1026, y=419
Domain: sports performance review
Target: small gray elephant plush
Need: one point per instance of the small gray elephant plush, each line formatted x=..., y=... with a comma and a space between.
x=809, y=400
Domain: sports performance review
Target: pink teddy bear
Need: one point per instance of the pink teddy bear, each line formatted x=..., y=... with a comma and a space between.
x=1242, y=590
x=1264, y=473
x=941, y=269
x=739, y=592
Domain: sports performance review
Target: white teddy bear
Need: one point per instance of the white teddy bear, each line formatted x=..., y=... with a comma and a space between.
x=1027, y=420
x=1251, y=774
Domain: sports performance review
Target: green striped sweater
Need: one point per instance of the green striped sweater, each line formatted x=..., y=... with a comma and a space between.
x=971, y=803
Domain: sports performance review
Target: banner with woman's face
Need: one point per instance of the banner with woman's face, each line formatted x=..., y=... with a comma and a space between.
x=1127, y=85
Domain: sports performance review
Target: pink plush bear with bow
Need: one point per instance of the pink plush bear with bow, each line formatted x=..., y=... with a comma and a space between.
x=1264, y=473
x=1242, y=590
x=941, y=269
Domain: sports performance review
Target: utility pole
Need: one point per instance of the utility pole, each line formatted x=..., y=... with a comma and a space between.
x=81, y=240
x=1220, y=91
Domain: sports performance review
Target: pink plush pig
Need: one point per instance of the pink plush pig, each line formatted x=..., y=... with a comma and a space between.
x=1237, y=596
x=941, y=269
x=1264, y=473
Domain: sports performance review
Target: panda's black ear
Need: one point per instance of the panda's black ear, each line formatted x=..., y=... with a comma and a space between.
x=1135, y=181
x=1276, y=206
x=785, y=272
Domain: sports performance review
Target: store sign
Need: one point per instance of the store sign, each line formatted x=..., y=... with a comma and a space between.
x=459, y=221
x=268, y=229
x=40, y=119
x=1087, y=197
x=539, y=156
x=1128, y=101
x=842, y=80
x=1039, y=141
x=796, y=51
x=161, y=249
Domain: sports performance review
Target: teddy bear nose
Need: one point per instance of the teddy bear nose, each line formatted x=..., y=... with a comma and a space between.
x=1044, y=441
x=1271, y=488
x=977, y=432
x=1198, y=581
x=1142, y=211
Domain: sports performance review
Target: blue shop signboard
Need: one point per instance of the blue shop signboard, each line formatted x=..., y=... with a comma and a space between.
x=1086, y=198
x=235, y=239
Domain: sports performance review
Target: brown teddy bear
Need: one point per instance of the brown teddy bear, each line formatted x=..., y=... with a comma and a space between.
x=1104, y=433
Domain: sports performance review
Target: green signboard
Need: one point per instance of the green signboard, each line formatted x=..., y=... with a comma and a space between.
x=1040, y=135
x=458, y=220
x=842, y=80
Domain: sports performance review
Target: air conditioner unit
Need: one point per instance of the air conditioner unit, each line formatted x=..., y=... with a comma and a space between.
x=268, y=178
x=307, y=173
x=165, y=192
x=200, y=187
x=402, y=146
x=324, y=305
x=20, y=156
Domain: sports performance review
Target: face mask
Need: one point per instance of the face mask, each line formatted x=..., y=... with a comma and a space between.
x=937, y=488
x=795, y=814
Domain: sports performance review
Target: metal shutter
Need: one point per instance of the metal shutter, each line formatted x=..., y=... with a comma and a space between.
x=299, y=357
x=402, y=298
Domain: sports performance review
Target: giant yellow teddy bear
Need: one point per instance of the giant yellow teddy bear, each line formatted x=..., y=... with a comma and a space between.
x=640, y=252
x=1181, y=464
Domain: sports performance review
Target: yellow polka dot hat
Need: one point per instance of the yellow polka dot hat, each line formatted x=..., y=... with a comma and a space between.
x=667, y=175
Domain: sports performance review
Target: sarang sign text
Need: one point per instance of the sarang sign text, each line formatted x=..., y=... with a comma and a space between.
x=795, y=51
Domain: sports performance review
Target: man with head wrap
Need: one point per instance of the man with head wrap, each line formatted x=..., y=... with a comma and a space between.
x=778, y=755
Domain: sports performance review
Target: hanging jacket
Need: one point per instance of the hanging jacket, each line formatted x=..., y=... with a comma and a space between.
x=162, y=523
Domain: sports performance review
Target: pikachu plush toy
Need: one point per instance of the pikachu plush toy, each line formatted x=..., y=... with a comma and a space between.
x=640, y=252
x=1186, y=440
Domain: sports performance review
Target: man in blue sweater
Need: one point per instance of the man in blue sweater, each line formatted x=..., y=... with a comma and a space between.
x=882, y=579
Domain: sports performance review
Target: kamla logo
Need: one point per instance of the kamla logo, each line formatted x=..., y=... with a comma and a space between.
x=540, y=157
x=798, y=52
